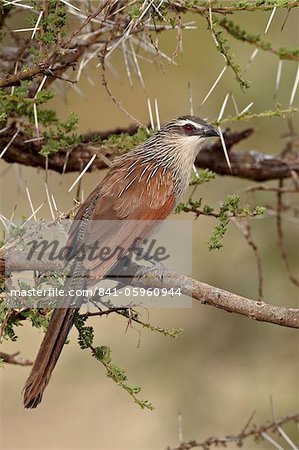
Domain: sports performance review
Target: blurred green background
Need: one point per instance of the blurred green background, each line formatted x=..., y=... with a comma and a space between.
x=224, y=366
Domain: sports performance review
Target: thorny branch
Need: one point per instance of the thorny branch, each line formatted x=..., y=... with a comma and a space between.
x=112, y=30
x=63, y=55
x=110, y=17
x=257, y=42
x=250, y=165
x=257, y=432
x=202, y=292
x=223, y=9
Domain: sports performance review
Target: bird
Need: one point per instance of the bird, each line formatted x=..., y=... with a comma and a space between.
x=142, y=186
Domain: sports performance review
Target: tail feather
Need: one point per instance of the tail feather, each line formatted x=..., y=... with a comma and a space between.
x=50, y=349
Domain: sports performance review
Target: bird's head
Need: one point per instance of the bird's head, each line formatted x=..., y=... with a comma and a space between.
x=185, y=134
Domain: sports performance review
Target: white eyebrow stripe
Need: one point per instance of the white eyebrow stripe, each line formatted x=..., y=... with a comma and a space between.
x=190, y=122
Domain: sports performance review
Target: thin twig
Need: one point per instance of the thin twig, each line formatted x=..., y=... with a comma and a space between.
x=244, y=227
x=281, y=244
x=255, y=431
x=15, y=358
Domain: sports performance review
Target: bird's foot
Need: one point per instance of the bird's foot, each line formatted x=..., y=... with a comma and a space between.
x=157, y=266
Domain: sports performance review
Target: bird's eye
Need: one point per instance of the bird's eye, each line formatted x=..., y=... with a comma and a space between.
x=188, y=127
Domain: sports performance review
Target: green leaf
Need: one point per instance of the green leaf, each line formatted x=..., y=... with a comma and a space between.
x=103, y=354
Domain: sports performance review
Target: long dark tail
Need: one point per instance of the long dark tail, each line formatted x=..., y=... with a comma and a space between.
x=50, y=349
x=61, y=321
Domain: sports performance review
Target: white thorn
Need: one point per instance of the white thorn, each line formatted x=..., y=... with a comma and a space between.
x=33, y=140
x=149, y=47
x=80, y=69
x=10, y=142
x=49, y=202
x=190, y=99
x=157, y=114
x=210, y=15
x=246, y=109
x=223, y=107
x=180, y=429
x=37, y=24
x=214, y=85
x=225, y=149
x=54, y=203
x=137, y=65
x=13, y=212
x=271, y=440
x=6, y=221
x=15, y=71
x=33, y=214
x=127, y=65
x=211, y=26
x=83, y=172
x=21, y=30
x=30, y=202
x=294, y=87
x=123, y=7
x=287, y=438
x=70, y=5
x=36, y=120
x=4, y=129
x=150, y=113
x=144, y=11
x=42, y=84
x=15, y=3
x=195, y=171
x=90, y=80
x=278, y=76
x=235, y=105
x=270, y=19
x=253, y=55
x=77, y=90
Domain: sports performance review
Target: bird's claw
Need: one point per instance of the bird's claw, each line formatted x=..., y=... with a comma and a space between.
x=157, y=266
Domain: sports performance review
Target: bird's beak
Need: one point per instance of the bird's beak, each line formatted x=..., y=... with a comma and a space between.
x=210, y=132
